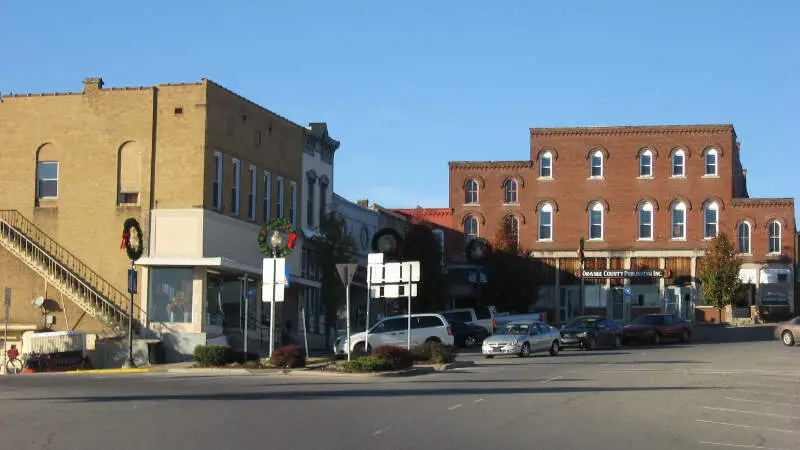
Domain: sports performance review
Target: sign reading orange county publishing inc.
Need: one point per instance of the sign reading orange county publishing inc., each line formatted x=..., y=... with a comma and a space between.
x=620, y=273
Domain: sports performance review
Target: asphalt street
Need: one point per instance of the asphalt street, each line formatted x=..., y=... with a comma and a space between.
x=697, y=396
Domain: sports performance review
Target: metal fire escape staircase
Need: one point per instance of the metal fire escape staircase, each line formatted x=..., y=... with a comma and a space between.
x=61, y=269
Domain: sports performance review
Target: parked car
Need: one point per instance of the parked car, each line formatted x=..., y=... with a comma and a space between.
x=479, y=315
x=788, y=332
x=656, y=328
x=500, y=320
x=591, y=333
x=775, y=307
x=467, y=335
x=394, y=331
x=522, y=338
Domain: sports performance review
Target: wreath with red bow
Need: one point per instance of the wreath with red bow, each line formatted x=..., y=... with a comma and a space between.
x=266, y=233
x=131, y=229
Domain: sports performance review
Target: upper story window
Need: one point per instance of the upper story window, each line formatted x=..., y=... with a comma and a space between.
x=471, y=192
x=678, y=221
x=279, y=198
x=546, y=165
x=293, y=203
x=237, y=173
x=257, y=138
x=596, y=221
x=774, y=232
x=510, y=192
x=47, y=179
x=710, y=220
x=130, y=174
x=646, y=222
x=646, y=164
x=251, y=196
x=323, y=198
x=512, y=228
x=438, y=234
x=546, y=222
x=743, y=238
x=711, y=162
x=216, y=199
x=267, y=195
x=470, y=227
x=678, y=164
x=597, y=164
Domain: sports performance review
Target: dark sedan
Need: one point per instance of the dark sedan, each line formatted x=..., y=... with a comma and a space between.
x=657, y=328
x=467, y=335
x=591, y=333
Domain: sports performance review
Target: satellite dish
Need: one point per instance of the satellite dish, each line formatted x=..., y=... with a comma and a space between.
x=38, y=301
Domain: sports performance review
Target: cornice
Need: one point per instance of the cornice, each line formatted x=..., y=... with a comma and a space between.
x=456, y=165
x=633, y=130
x=762, y=202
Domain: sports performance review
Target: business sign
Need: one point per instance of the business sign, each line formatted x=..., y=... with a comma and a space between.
x=619, y=273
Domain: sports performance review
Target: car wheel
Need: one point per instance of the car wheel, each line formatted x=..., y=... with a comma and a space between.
x=554, y=348
x=526, y=350
x=787, y=338
x=470, y=341
x=488, y=356
x=656, y=338
x=592, y=343
x=617, y=341
x=358, y=349
x=433, y=339
x=684, y=336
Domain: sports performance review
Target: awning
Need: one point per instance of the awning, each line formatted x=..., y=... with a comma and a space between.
x=216, y=263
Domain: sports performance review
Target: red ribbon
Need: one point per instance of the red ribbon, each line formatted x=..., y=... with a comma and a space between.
x=125, y=239
x=292, y=238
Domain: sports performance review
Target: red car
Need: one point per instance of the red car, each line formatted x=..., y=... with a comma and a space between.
x=656, y=328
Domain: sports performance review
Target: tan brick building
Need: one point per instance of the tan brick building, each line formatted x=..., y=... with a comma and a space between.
x=642, y=198
x=199, y=166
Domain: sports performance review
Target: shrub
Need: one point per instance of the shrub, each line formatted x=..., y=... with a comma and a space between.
x=291, y=357
x=212, y=355
x=435, y=352
x=396, y=358
x=366, y=364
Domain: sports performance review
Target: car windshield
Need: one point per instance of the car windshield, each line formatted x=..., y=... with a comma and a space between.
x=583, y=322
x=649, y=320
x=516, y=328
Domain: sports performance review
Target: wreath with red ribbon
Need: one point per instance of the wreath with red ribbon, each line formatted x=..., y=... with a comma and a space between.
x=136, y=249
x=266, y=233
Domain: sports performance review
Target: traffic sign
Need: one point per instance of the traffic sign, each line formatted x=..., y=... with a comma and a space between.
x=346, y=272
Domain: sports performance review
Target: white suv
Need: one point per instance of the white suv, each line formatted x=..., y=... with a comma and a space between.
x=394, y=331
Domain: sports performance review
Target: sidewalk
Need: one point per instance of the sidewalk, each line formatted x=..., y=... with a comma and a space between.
x=715, y=334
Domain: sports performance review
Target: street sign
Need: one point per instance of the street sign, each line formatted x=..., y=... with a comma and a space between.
x=628, y=292
x=286, y=282
x=274, y=280
x=346, y=272
x=133, y=281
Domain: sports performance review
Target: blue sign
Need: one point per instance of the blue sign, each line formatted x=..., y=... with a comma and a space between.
x=251, y=293
x=133, y=281
x=628, y=292
x=287, y=277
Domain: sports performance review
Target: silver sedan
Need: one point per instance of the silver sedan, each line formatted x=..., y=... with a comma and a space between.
x=523, y=338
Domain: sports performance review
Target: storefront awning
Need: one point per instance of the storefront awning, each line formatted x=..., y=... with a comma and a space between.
x=215, y=263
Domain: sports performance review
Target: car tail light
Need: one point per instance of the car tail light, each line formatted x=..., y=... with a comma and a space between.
x=449, y=331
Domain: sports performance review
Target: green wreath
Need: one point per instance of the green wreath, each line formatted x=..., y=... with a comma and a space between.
x=264, y=237
x=132, y=228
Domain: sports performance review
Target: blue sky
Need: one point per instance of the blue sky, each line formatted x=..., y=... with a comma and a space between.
x=408, y=86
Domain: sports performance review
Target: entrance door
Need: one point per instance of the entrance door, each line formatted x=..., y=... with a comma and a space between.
x=617, y=303
x=569, y=303
x=672, y=304
x=687, y=304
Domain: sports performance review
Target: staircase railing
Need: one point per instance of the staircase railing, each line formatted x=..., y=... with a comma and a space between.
x=110, y=301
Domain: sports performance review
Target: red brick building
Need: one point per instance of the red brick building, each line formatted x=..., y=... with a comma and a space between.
x=643, y=198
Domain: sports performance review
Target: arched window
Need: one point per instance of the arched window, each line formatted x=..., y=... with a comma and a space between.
x=774, y=231
x=512, y=228
x=646, y=164
x=47, y=173
x=678, y=220
x=511, y=192
x=710, y=220
x=471, y=192
x=546, y=222
x=597, y=164
x=546, y=165
x=711, y=162
x=596, y=221
x=646, y=222
x=743, y=237
x=679, y=163
x=470, y=227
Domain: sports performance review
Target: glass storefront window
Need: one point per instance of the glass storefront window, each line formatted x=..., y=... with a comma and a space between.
x=170, y=297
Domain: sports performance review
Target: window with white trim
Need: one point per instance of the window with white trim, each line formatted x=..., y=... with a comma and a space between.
x=267, y=195
x=251, y=196
x=511, y=192
x=743, y=237
x=237, y=174
x=471, y=192
x=293, y=203
x=774, y=233
x=678, y=164
x=546, y=165
x=646, y=222
x=597, y=164
x=279, y=198
x=47, y=179
x=596, y=221
x=710, y=220
x=546, y=222
x=470, y=227
x=216, y=198
x=646, y=164
x=678, y=221
x=512, y=228
x=711, y=162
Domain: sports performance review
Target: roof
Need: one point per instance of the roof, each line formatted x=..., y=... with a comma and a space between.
x=439, y=216
x=627, y=130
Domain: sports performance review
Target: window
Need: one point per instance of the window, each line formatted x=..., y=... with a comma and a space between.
x=646, y=222
x=711, y=162
x=310, y=192
x=546, y=165
x=743, y=237
x=471, y=192
x=323, y=198
x=257, y=138
x=129, y=174
x=679, y=221
x=774, y=232
x=47, y=179
x=438, y=234
x=710, y=220
x=216, y=201
x=511, y=192
x=512, y=228
x=678, y=164
x=267, y=195
x=251, y=197
x=470, y=227
x=596, y=221
x=646, y=164
x=597, y=165
x=279, y=198
x=235, y=187
x=170, y=297
x=546, y=222
x=293, y=203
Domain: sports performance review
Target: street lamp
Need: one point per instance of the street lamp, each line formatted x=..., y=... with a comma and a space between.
x=477, y=252
x=386, y=241
x=276, y=241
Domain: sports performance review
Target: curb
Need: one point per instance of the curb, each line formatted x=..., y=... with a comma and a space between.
x=318, y=373
x=96, y=371
x=210, y=371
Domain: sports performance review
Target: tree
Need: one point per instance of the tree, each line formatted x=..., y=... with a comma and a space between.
x=512, y=281
x=719, y=273
x=335, y=246
x=421, y=245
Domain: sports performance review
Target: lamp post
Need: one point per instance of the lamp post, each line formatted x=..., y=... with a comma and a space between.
x=477, y=252
x=387, y=242
x=276, y=240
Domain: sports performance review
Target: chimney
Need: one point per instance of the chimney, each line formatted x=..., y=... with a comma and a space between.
x=363, y=203
x=92, y=84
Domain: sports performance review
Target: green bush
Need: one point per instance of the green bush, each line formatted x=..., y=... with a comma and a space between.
x=435, y=352
x=396, y=358
x=290, y=357
x=212, y=355
x=366, y=364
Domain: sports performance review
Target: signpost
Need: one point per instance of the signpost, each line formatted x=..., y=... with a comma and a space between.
x=346, y=273
x=392, y=280
x=7, y=304
x=272, y=291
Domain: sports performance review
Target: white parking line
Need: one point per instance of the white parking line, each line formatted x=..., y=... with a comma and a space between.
x=793, y=405
x=736, y=425
x=455, y=407
x=762, y=392
x=552, y=379
x=377, y=432
x=755, y=413
x=478, y=400
x=722, y=444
